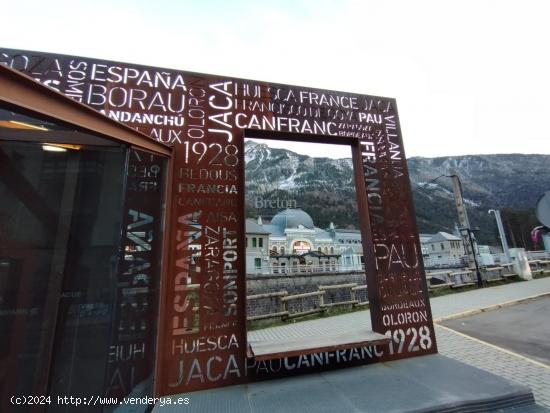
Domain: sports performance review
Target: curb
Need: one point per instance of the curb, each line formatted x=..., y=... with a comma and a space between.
x=491, y=307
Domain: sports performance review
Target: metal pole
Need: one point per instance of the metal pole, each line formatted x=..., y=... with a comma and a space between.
x=470, y=237
x=478, y=273
x=501, y=233
x=463, y=218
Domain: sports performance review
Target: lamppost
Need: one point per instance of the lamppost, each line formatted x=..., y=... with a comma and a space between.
x=471, y=239
x=501, y=233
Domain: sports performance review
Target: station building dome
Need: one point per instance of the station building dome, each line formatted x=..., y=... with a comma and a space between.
x=293, y=218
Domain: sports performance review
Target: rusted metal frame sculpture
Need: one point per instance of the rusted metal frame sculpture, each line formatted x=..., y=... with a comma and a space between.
x=202, y=332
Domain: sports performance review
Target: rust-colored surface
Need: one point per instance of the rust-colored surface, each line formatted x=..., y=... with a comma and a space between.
x=202, y=341
x=21, y=91
x=135, y=312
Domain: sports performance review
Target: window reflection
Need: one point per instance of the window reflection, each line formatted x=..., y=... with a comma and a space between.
x=80, y=239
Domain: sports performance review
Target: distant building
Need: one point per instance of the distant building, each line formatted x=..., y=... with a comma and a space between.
x=291, y=243
x=348, y=242
x=257, y=244
x=424, y=238
x=441, y=250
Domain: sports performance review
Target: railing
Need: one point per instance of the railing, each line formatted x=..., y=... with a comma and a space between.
x=319, y=306
x=304, y=269
x=498, y=259
x=468, y=277
x=278, y=294
x=352, y=301
x=539, y=267
x=537, y=255
x=314, y=310
x=457, y=278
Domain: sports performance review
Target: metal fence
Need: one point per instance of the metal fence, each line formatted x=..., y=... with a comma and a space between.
x=305, y=268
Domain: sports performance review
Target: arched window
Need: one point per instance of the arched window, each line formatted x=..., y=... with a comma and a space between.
x=331, y=250
x=319, y=249
x=282, y=250
x=274, y=249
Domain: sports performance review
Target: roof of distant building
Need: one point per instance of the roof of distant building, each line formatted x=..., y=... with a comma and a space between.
x=296, y=218
x=321, y=233
x=425, y=237
x=292, y=218
x=347, y=231
x=275, y=230
x=443, y=236
x=253, y=228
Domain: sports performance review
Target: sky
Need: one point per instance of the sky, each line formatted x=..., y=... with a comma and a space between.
x=470, y=77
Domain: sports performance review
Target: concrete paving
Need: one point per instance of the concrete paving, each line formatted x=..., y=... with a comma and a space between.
x=437, y=383
x=452, y=343
x=425, y=384
x=452, y=304
x=523, y=328
x=497, y=361
x=483, y=355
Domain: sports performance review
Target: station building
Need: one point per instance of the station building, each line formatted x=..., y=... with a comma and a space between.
x=291, y=243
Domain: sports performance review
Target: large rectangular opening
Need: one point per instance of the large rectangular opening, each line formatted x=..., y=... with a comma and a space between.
x=305, y=268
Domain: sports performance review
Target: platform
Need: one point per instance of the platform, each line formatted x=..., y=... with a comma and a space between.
x=424, y=384
x=269, y=349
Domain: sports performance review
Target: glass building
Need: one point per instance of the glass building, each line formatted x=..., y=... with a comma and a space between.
x=81, y=222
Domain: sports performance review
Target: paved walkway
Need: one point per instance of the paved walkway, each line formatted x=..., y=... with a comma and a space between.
x=451, y=304
x=442, y=307
x=451, y=344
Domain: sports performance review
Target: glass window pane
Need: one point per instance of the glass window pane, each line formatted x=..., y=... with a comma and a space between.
x=80, y=246
x=59, y=219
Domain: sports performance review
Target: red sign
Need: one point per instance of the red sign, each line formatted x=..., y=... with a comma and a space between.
x=301, y=247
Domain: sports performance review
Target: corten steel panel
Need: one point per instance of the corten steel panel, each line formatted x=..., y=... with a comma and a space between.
x=134, y=316
x=203, y=331
x=21, y=91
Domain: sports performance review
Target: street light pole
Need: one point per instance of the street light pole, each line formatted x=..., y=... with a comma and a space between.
x=478, y=273
x=501, y=233
x=471, y=238
x=463, y=220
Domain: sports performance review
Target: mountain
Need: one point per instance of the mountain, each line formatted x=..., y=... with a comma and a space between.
x=498, y=181
x=512, y=183
x=278, y=178
x=324, y=187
